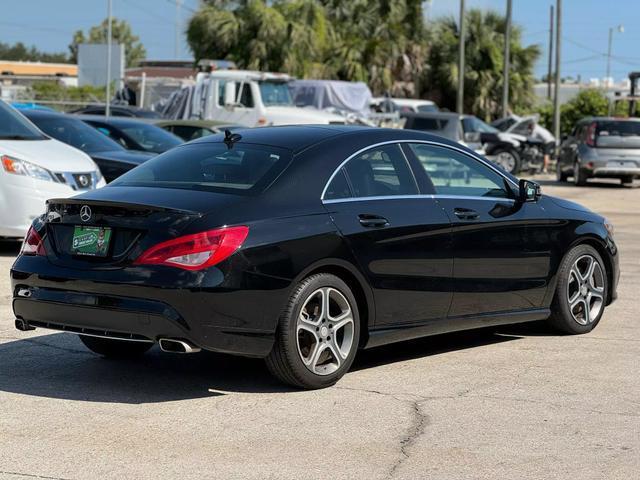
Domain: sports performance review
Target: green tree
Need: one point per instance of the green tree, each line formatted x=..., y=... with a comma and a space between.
x=380, y=42
x=483, y=80
x=20, y=52
x=120, y=32
x=588, y=103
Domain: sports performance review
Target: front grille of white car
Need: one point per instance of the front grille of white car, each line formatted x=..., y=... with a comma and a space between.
x=78, y=181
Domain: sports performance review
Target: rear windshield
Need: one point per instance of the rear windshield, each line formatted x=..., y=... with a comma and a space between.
x=243, y=169
x=618, y=134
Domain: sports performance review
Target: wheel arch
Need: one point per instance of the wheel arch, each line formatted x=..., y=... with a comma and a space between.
x=358, y=284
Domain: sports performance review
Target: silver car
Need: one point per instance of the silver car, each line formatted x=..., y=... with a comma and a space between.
x=601, y=147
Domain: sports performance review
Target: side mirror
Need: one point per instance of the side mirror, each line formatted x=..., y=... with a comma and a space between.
x=472, y=137
x=230, y=94
x=529, y=191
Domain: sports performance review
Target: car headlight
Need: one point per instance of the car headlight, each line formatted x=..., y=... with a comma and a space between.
x=22, y=167
x=609, y=226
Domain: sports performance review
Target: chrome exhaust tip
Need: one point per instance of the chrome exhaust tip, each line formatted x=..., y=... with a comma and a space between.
x=171, y=345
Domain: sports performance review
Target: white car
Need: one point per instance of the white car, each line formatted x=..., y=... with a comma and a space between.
x=34, y=169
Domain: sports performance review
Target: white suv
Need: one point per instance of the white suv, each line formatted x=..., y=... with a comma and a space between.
x=35, y=168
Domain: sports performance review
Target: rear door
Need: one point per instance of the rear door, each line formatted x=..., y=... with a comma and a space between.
x=495, y=269
x=401, y=240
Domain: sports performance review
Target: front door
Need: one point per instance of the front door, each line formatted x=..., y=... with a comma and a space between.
x=494, y=269
x=400, y=239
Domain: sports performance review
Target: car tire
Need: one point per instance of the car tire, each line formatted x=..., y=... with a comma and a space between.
x=627, y=180
x=112, y=348
x=579, y=175
x=508, y=160
x=560, y=175
x=580, y=285
x=315, y=345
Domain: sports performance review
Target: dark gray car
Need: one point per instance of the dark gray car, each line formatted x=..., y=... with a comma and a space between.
x=601, y=147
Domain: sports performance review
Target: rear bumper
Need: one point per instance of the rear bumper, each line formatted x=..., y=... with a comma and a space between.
x=213, y=318
x=604, y=172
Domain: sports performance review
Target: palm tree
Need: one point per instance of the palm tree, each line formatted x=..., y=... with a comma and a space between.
x=484, y=47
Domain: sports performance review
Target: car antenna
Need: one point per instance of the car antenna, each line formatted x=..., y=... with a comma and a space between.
x=231, y=138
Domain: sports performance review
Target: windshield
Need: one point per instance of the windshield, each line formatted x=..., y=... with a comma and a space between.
x=242, y=169
x=275, y=93
x=473, y=124
x=618, y=134
x=150, y=137
x=13, y=125
x=76, y=133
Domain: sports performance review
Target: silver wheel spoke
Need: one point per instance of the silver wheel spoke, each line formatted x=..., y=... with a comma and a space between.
x=585, y=289
x=325, y=331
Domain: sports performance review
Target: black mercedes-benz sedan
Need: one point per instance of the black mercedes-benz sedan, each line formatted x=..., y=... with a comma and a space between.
x=303, y=244
x=111, y=157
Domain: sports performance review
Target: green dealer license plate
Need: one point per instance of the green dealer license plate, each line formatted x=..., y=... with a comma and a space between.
x=91, y=241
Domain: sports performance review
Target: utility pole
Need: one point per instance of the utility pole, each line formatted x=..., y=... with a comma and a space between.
x=177, y=51
x=507, y=58
x=556, y=93
x=620, y=29
x=550, y=52
x=107, y=108
x=460, y=98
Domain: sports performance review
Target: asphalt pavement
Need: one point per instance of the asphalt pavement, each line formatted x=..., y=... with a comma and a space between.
x=503, y=403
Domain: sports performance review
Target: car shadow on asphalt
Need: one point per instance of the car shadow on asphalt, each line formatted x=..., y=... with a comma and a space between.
x=58, y=366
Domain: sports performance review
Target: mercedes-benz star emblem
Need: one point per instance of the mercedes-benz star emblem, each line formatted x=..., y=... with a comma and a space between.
x=85, y=213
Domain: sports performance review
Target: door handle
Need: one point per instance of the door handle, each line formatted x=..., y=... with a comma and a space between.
x=466, y=214
x=372, y=221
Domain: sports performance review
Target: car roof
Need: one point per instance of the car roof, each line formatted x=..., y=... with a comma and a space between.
x=300, y=137
x=117, y=121
x=442, y=115
x=609, y=119
x=193, y=123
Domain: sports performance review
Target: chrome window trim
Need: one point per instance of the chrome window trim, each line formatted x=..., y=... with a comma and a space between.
x=426, y=142
x=418, y=197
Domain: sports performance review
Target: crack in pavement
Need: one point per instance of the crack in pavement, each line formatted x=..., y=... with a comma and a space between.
x=29, y=475
x=421, y=420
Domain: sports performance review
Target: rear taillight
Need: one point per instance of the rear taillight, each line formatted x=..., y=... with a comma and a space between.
x=197, y=251
x=32, y=244
x=591, y=135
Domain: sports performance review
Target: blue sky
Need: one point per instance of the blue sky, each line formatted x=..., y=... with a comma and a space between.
x=49, y=25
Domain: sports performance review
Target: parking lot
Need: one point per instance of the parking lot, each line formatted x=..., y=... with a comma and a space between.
x=511, y=402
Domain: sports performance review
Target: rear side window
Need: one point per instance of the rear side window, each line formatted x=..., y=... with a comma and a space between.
x=380, y=171
x=338, y=188
x=242, y=169
x=454, y=173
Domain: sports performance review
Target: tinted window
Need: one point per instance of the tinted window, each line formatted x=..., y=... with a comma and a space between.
x=338, y=188
x=453, y=173
x=150, y=137
x=212, y=166
x=76, y=133
x=428, y=124
x=14, y=126
x=187, y=132
x=245, y=96
x=427, y=108
x=381, y=171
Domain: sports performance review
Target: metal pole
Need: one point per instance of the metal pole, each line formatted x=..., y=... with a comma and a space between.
x=460, y=98
x=143, y=87
x=556, y=93
x=107, y=108
x=550, y=52
x=505, y=83
x=177, y=46
x=606, y=78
